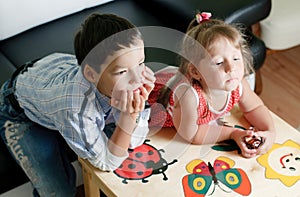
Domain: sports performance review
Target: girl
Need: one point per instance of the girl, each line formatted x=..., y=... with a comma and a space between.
x=209, y=82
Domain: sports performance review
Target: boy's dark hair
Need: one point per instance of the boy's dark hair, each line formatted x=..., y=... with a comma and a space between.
x=101, y=33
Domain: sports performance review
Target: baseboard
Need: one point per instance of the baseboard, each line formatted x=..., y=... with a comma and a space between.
x=25, y=190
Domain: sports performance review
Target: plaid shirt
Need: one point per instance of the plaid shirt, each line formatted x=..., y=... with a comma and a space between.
x=55, y=94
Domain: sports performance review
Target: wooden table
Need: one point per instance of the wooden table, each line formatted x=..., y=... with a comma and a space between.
x=276, y=173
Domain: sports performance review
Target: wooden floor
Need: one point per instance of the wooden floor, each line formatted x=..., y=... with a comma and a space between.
x=281, y=84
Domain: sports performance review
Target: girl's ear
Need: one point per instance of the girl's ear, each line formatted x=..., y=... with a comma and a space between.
x=194, y=72
x=90, y=74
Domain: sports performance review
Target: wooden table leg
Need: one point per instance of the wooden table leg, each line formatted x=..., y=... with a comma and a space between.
x=90, y=188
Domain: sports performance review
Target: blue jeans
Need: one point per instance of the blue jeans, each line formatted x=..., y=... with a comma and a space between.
x=40, y=152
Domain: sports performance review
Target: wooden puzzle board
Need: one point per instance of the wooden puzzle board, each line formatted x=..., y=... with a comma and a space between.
x=264, y=172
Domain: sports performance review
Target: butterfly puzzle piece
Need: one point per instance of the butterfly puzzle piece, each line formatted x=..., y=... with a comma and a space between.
x=202, y=176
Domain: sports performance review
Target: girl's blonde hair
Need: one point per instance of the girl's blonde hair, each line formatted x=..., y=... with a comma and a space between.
x=199, y=37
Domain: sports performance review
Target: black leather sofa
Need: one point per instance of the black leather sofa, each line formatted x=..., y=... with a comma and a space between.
x=57, y=36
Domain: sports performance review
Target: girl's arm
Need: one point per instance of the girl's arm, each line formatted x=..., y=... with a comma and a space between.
x=185, y=117
x=254, y=109
x=258, y=115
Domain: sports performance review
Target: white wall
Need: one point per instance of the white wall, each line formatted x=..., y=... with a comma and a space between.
x=17, y=16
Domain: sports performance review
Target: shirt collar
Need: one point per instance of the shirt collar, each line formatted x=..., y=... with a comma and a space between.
x=104, y=102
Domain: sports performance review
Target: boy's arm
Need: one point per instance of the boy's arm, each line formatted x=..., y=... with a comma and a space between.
x=141, y=130
x=132, y=128
x=111, y=153
x=132, y=125
x=84, y=135
x=120, y=140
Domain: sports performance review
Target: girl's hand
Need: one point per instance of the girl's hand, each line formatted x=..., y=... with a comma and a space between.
x=238, y=136
x=269, y=138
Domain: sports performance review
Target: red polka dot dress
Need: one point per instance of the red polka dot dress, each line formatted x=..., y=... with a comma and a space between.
x=162, y=117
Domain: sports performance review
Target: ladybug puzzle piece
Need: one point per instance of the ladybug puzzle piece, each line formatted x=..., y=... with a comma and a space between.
x=142, y=162
x=221, y=174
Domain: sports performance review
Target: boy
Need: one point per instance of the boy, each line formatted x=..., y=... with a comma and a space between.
x=98, y=107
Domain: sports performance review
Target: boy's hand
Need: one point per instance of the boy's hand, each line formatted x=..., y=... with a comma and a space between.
x=134, y=101
x=148, y=82
x=141, y=95
x=129, y=102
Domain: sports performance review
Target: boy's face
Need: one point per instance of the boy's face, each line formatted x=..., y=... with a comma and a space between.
x=124, y=71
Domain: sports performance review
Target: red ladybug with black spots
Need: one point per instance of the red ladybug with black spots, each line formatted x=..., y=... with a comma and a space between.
x=142, y=162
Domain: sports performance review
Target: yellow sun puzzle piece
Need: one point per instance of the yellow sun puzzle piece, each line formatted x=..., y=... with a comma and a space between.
x=282, y=162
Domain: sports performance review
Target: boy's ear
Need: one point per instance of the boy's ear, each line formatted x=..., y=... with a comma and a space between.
x=194, y=72
x=90, y=74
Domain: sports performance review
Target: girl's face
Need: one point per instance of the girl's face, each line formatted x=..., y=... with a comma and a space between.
x=224, y=69
x=124, y=72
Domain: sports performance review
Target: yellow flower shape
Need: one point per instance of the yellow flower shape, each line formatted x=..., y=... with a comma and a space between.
x=282, y=162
